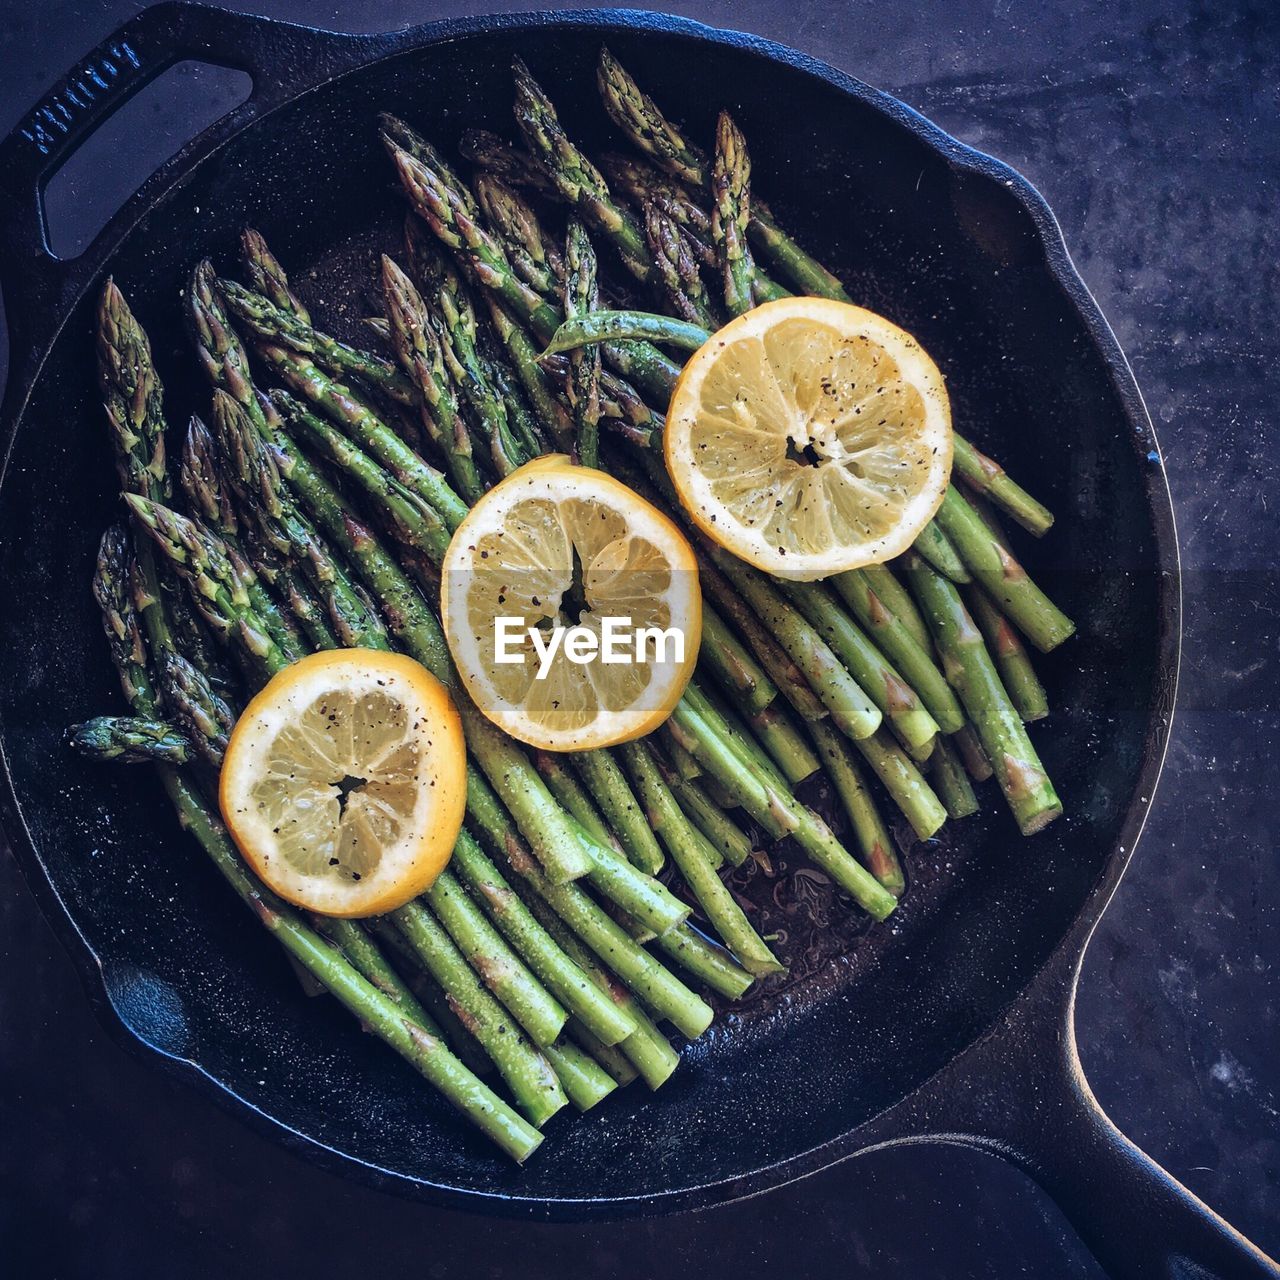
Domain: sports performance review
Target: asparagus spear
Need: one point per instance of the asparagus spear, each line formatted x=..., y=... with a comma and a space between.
x=951, y=782
x=895, y=639
x=780, y=814
x=417, y=346
x=130, y=740
x=874, y=840
x=681, y=839
x=263, y=319
x=562, y=976
x=1011, y=658
x=520, y=234
x=1022, y=778
x=133, y=398
x=443, y=206
x=255, y=474
x=578, y=181
x=583, y=1079
x=724, y=835
x=892, y=694
x=938, y=549
x=528, y=1074
x=495, y=157
x=971, y=754
x=644, y=185
x=676, y=267
x=581, y=297
x=198, y=711
x=268, y=277
x=896, y=599
x=609, y=785
x=494, y=962
x=458, y=333
x=638, y=116
x=730, y=214
x=992, y=563
x=988, y=477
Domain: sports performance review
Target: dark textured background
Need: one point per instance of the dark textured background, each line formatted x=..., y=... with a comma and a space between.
x=1154, y=130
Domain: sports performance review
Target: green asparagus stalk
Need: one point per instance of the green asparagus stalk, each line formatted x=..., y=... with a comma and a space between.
x=730, y=215
x=607, y=782
x=1017, y=767
x=581, y=297
x=844, y=698
x=583, y=1079
x=780, y=814
x=988, y=477
x=893, y=695
x=782, y=671
x=895, y=639
x=951, y=782
x=874, y=841
x=646, y=1050
x=528, y=1074
x=523, y=353
x=642, y=184
x=417, y=346
x=1005, y=580
x=255, y=474
x=268, y=277
x=609, y=1056
x=971, y=754
x=638, y=116
x=130, y=740
x=721, y=909
x=905, y=783
x=655, y=986
x=675, y=267
x=459, y=335
x=359, y=948
x=263, y=319
x=443, y=207
x=520, y=234
x=336, y=402
x=724, y=835
x=611, y=326
x=497, y=158
x=897, y=601
x=579, y=182
x=495, y=963
x=198, y=711
x=560, y=974
x=1010, y=655
x=782, y=739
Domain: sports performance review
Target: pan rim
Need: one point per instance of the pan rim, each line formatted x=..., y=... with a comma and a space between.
x=1051, y=250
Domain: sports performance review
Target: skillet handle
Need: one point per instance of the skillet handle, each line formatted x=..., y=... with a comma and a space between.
x=1021, y=1094
x=276, y=56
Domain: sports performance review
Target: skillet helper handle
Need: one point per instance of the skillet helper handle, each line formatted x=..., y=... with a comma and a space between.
x=1020, y=1093
x=274, y=54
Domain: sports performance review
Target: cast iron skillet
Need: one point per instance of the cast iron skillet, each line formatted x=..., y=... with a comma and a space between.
x=954, y=1022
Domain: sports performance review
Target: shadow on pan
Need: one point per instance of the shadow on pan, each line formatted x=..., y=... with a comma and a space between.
x=952, y=1021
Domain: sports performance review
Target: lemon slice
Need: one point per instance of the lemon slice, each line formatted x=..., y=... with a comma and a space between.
x=568, y=557
x=809, y=437
x=344, y=781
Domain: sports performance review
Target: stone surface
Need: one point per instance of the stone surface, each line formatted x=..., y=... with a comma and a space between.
x=1152, y=129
